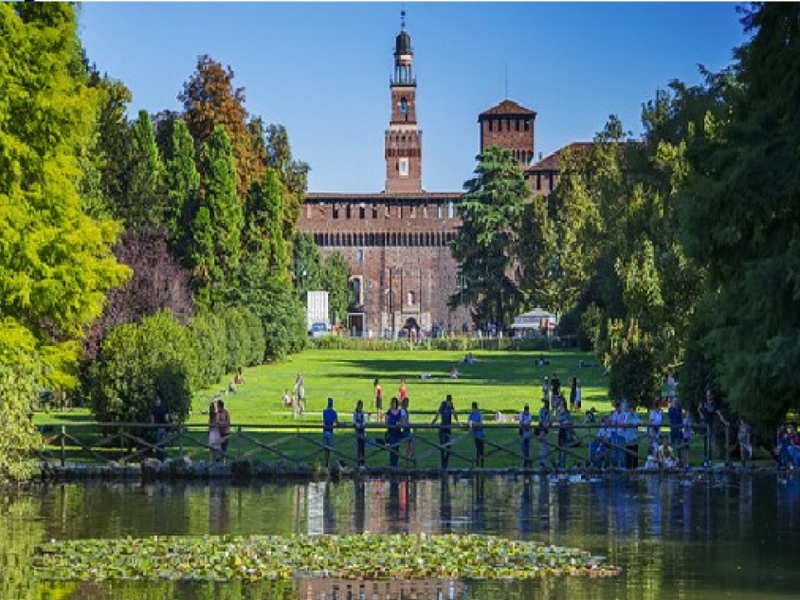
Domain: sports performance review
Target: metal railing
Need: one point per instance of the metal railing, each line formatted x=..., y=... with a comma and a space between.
x=409, y=446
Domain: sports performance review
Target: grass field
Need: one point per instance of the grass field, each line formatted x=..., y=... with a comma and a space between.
x=498, y=381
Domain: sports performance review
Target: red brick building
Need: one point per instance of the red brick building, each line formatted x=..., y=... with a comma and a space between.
x=397, y=240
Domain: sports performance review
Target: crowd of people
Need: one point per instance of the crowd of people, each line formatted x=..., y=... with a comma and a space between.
x=613, y=440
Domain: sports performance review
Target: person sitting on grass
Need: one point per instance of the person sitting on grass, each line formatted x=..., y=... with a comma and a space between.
x=454, y=372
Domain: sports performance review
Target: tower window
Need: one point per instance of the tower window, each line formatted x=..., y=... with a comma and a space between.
x=491, y=125
x=450, y=210
x=362, y=211
x=412, y=298
x=516, y=124
x=438, y=211
x=347, y=211
x=335, y=211
x=404, y=167
x=374, y=211
x=527, y=124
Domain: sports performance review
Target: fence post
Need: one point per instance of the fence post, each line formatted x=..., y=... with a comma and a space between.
x=238, y=442
x=63, y=445
x=727, y=445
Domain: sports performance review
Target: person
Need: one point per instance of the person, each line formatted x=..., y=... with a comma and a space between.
x=555, y=385
x=287, y=398
x=393, y=417
x=239, y=379
x=686, y=438
x=232, y=386
x=543, y=429
x=631, y=419
x=665, y=454
x=598, y=449
x=224, y=421
x=546, y=389
x=564, y=418
x=525, y=434
x=590, y=414
x=454, y=372
x=782, y=447
x=475, y=422
x=469, y=360
x=406, y=432
x=329, y=420
x=446, y=414
x=709, y=412
x=656, y=418
x=617, y=419
x=672, y=385
x=794, y=445
x=160, y=417
x=213, y=431
x=745, y=439
x=573, y=393
x=300, y=393
x=378, y=399
x=403, y=391
x=675, y=418
x=359, y=423
x=578, y=398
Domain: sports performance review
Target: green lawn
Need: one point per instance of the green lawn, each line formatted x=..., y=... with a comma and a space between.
x=498, y=381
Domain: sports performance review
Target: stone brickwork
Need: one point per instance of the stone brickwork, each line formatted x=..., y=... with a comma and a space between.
x=398, y=250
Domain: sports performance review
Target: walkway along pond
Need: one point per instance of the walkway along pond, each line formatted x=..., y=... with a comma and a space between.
x=129, y=449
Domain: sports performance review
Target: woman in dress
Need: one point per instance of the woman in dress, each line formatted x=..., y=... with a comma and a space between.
x=359, y=422
x=213, y=431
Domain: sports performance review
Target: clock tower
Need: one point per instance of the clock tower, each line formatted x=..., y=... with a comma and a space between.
x=403, y=139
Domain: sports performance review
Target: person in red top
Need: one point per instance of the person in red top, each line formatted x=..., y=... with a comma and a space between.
x=403, y=391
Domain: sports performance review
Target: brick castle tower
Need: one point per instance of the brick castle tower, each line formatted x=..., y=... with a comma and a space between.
x=396, y=241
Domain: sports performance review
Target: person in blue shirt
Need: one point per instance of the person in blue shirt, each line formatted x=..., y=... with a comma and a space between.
x=675, y=418
x=329, y=420
x=359, y=422
x=475, y=421
x=447, y=413
x=393, y=419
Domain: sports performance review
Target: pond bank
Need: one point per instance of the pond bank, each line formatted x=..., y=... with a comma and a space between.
x=244, y=471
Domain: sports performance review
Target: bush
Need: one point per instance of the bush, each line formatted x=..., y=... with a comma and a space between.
x=633, y=376
x=208, y=341
x=138, y=362
x=237, y=338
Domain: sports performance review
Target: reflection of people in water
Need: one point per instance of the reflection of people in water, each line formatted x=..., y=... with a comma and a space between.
x=219, y=516
x=445, y=506
x=328, y=511
x=360, y=504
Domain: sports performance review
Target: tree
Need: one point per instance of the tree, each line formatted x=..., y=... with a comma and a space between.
x=56, y=263
x=182, y=183
x=144, y=194
x=20, y=372
x=484, y=246
x=218, y=223
x=306, y=265
x=210, y=101
x=740, y=218
x=336, y=279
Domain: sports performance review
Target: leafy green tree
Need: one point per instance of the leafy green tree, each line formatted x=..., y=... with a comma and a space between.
x=485, y=244
x=218, y=223
x=182, y=183
x=20, y=372
x=263, y=234
x=56, y=264
x=741, y=215
x=336, y=279
x=306, y=265
x=143, y=199
x=138, y=362
x=209, y=344
x=210, y=101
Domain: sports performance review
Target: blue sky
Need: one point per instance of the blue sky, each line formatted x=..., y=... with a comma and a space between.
x=322, y=69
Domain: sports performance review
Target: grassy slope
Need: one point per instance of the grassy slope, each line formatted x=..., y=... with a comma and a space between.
x=499, y=381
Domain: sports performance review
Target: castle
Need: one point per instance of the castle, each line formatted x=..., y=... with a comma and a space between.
x=397, y=241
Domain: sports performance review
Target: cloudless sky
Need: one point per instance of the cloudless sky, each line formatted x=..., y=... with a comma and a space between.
x=322, y=69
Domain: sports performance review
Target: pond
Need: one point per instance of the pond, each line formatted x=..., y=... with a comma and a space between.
x=696, y=536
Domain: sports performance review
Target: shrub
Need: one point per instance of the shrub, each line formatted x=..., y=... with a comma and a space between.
x=138, y=362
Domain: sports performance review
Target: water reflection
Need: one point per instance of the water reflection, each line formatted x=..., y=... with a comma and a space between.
x=694, y=537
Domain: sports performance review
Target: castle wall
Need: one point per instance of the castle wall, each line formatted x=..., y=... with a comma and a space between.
x=398, y=251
